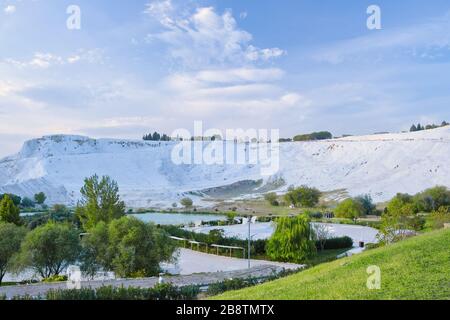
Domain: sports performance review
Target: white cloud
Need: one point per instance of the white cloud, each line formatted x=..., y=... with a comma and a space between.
x=226, y=82
x=10, y=9
x=204, y=37
x=240, y=75
x=213, y=94
x=41, y=60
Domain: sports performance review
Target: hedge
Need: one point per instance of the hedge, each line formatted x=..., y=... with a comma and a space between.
x=337, y=243
x=159, y=292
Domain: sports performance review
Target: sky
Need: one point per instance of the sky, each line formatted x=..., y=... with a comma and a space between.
x=299, y=66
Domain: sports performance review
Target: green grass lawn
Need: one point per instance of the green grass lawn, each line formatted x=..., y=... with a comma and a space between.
x=417, y=268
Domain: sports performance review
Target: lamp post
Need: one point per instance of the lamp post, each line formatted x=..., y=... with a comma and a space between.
x=249, y=221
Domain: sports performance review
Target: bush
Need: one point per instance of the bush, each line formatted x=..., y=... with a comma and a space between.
x=303, y=196
x=439, y=217
x=231, y=284
x=159, y=292
x=187, y=202
x=27, y=203
x=315, y=215
x=370, y=246
x=337, y=243
x=55, y=278
x=239, y=283
x=322, y=135
x=272, y=198
x=367, y=203
x=432, y=199
x=350, y=209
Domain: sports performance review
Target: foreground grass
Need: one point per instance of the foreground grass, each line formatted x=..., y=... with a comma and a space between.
x=417, y=268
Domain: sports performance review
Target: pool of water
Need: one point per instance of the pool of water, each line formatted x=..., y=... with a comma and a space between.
x=177, y=218
x=261, y=231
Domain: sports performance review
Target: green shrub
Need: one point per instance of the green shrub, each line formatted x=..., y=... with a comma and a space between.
x=236, y=284
x=350, y=209
x=159, y=292
x=315, y=215
x=56, y=278
x=370, y=246
x=337, y=243
x=272, y=198
x=322, y=135
x=187, y=202
x=303, y=197
x=230, y=284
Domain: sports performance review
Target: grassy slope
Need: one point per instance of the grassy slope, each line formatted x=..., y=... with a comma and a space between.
x=417, y=268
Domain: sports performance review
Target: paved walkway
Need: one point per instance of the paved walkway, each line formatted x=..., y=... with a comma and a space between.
x=190, y=262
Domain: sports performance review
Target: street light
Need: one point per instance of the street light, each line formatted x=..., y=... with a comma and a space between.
x=249, y=221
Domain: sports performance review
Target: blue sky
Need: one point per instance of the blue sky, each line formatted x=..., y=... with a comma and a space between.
x=292, y=65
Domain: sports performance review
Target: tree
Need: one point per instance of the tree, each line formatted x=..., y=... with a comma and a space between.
x=398, y=219
x=322, y=135
x=432, y=199
x=40, y=198
x=187, y=202
x=321, y=234
x=303, y=196
x=292, y=240
x=413, y=128
x=11, y=237
x=96, y=253
x=9, y=212
x=27, y=203
x=367, y=203
x=127, y=246
x=272, y=198
x=59, y=209
x=439, y=217
x=402, y=203
x=350, y=209
x=156, y=136
x=50, y=249
x=16, y=199
x=100, y=201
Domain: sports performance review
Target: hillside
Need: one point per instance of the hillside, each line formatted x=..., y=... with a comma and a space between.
x=417, y=268
x=380, y=165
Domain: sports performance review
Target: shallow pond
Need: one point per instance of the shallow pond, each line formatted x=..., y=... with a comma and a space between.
x=177, y=218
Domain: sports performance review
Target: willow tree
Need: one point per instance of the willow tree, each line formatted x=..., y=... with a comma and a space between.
x=100, y=202
x=292, y=240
